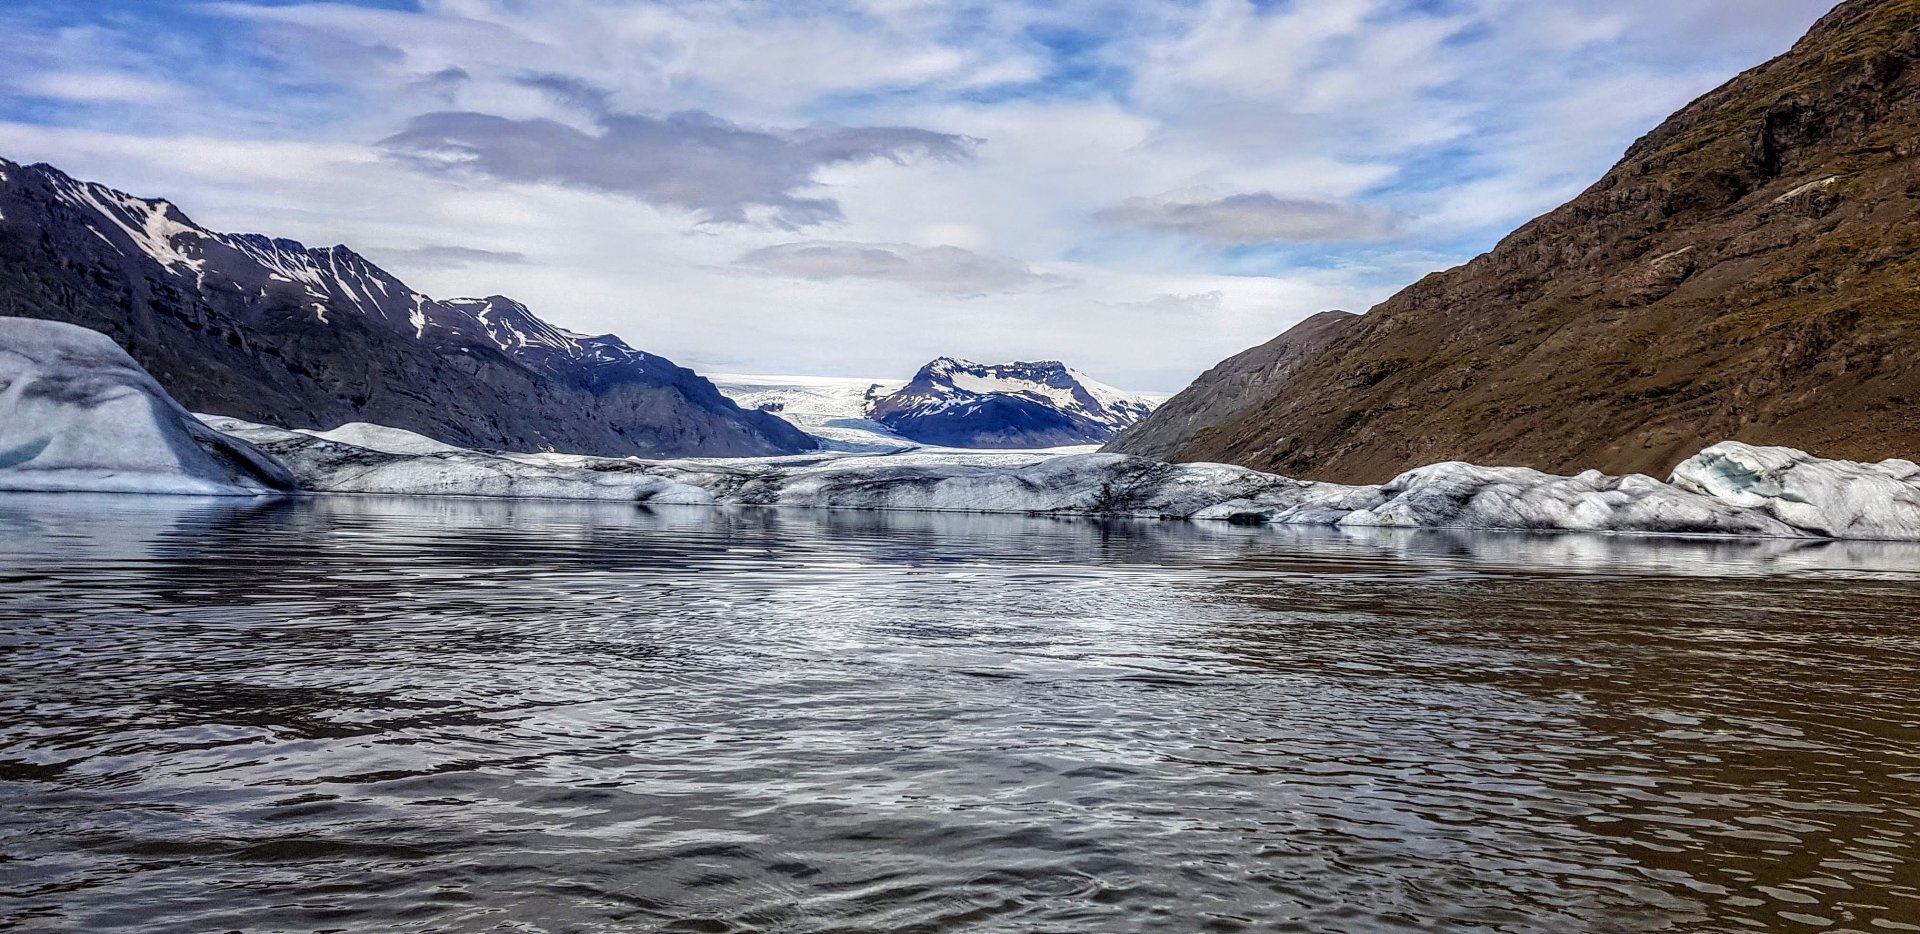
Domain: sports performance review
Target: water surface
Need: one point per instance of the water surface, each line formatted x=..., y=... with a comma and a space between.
x=458, y=715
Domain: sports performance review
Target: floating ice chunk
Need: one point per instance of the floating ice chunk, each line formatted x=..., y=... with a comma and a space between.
x=78, y=414
x=1839, y=499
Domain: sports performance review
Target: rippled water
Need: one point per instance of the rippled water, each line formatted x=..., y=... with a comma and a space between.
x=364, y=714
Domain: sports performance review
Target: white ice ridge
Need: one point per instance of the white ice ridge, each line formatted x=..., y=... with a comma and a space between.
x=1731, y=489
x=78, y=414
x=1836, y=499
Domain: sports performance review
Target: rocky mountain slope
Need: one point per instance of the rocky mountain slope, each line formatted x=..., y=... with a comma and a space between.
x=1243, y=379
x=273, y=331
x=1750, y=270
x=957, y=403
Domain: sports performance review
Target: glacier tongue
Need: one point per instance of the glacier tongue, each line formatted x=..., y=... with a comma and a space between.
x=78, y=414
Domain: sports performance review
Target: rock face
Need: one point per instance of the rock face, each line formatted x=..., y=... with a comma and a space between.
x=1247, y=378
x=957, y=403
x=1747, y=271
x=77, y=414
x=272, y=331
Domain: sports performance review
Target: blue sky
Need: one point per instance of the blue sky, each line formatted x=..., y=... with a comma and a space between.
x=851, y=188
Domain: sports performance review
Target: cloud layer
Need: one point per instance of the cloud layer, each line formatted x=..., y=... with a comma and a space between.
x=946, y=269
x=1136, y=186
x=693, y=161
x=1255, y=218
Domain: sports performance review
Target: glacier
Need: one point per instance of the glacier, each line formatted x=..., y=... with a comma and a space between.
x=78, y=414
x=832, y=409
x=1731, y=489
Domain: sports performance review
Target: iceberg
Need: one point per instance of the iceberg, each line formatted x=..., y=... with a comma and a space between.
x=382, y=438
x=78, y=414
x=1466, y=496
x=1835, y=499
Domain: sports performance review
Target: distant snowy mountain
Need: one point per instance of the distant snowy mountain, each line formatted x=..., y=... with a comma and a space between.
x=957, y=403
x=273, y=331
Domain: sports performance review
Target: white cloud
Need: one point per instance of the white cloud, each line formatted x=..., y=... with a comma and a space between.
x=945, y=269
x=95, y=87
x=1254, y=218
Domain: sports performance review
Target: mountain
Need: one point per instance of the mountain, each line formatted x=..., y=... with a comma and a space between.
x=957, y=403
x=270, y=330
x=1747, y=271
x=1241, y=380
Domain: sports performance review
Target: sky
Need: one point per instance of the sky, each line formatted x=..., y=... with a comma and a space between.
x=808, y=187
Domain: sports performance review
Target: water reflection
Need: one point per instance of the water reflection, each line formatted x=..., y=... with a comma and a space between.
x=364, y=713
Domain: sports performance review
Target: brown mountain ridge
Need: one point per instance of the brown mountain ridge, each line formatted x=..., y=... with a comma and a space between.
x=1750, y=270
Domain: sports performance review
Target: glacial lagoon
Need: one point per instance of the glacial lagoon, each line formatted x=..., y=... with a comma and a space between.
x=378, y=714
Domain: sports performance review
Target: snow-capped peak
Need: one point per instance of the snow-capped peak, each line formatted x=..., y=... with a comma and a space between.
x=953, y=380
x=1023, y=404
